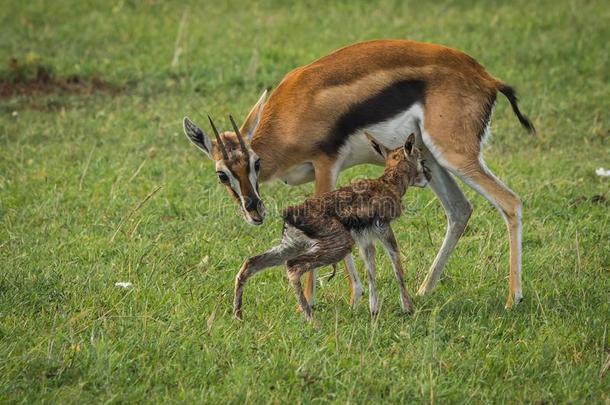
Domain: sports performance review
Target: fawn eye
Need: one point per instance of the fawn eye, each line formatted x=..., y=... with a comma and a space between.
x=222, y=176
x=257, y=165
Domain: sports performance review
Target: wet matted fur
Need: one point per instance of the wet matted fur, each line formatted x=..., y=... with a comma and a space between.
x=324, y=229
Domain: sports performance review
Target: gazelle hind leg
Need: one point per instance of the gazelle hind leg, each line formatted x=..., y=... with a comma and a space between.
x=456, y=145
x=481, y=179
x=457, y=210
x=391, y=246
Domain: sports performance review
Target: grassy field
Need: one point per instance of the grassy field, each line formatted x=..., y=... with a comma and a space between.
x=76, y=168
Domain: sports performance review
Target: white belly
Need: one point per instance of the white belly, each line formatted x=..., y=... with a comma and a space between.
x=391, y=133
x=300, y=174
x=357, y=150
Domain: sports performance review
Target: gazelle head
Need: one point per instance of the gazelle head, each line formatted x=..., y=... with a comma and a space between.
x=406, y=160
x=237, y=165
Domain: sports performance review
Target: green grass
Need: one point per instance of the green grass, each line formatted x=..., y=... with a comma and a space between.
x=73, y=170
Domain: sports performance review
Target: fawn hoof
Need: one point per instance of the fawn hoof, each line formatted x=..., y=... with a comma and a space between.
x=308, y=314
x=405, y=303
x=407, y=309
x=374, y=312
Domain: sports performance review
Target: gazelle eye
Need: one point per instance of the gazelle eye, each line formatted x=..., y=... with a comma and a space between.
x=222, y=176
x=257, y=165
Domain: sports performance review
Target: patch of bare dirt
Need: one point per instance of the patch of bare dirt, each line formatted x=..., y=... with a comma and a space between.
x=34, y=78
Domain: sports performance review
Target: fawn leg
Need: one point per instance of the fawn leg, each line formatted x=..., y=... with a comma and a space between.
x=294, y=275
x=367, y=251
x=273, y=257
x=391, y=246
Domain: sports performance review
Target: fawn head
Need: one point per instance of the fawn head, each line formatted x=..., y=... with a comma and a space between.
x=406, y=160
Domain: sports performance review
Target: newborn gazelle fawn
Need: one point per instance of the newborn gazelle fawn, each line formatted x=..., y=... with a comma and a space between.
x=323, y=230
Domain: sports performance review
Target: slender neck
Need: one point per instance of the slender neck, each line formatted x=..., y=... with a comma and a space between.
x=267, y=142
x=266, y=154
x=395, y=179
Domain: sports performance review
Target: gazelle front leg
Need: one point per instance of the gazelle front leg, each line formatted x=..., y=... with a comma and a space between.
x=391, y=246
x=326, y=171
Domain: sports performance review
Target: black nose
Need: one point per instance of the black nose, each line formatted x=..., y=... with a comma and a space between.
x=250, y=204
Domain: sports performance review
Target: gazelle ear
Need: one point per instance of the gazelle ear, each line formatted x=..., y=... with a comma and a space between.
x=197, y=136
x=253, y=118
x=410, y=144
x=379, y=148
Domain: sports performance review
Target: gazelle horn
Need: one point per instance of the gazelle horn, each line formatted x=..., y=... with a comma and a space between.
x=239, y=137
x=218, y=140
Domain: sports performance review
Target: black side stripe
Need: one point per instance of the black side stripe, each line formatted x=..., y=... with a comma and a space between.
x=387, y=103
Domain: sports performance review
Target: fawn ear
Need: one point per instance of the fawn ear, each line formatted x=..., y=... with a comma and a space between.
x=197, y=136
x=379, y=148
x=410, y=144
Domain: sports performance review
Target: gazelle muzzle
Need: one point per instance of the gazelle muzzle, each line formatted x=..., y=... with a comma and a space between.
x=254, y=209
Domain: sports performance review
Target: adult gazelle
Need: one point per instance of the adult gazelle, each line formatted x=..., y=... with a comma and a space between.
x=312, y=126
